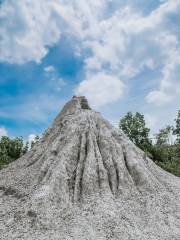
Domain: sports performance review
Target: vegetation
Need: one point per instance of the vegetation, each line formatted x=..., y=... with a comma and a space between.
x=134, y=127
x=165, y=151
x=11, y=149
x=36, y=139
x=177, y=127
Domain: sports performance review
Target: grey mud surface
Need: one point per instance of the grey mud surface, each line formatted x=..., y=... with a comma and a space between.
x=84, y=180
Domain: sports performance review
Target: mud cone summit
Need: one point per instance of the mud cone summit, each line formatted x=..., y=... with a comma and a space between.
x=85, y=180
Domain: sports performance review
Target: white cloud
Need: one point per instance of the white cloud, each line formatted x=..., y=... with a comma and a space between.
x=55, y=82
x=3, y=132
x=27, y=29
x=31, y=138
x=121, y=43
x=128, y=42
x=101, y=89
x=169, y=88
x=49, y=68
x=158, y=97
x=58, y=83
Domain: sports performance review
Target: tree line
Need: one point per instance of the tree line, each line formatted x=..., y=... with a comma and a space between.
x=12, y=149
x=162, y=149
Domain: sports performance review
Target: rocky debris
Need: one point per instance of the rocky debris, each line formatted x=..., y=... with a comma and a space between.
x=84, y=179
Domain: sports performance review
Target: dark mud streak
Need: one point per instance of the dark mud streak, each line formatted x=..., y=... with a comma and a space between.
x=108, y=173
x=116, y=167
x=130, y=173
x=9, y=191
x=37, y=159
x=85, y=157
x=84, y=104
x=42, y=175
x=98, y=171
x=33, y=162
x=78, y=162
x=98, y=148
x=117, y=176
x=126, y=164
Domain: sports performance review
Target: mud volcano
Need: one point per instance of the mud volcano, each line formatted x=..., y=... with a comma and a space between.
x=85, y=180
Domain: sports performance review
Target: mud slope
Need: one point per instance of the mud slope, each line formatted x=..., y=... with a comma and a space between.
x=84, y=180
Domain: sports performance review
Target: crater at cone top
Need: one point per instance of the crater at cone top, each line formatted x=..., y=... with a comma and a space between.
x=83, y=169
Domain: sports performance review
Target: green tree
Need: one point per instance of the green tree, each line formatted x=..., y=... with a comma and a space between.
x=177, y=133
x=163, y=149
x=134, y=126
x=177, y=127
x=164, y=137
x=11, y=149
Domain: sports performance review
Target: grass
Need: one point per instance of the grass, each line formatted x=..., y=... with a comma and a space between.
x=172, y=167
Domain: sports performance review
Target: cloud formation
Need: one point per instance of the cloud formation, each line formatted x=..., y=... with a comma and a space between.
x=32, y=108
x=115, y=37
x=101, y=89
x=49, y=69
x=3, y=132
x=27, y=30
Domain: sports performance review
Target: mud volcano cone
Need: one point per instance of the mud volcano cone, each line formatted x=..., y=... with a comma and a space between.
x=85, y=180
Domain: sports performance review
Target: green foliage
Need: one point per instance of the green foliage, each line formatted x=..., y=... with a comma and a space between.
x=164, y=151
x=177, y=151
x=164, y=136
x=11, y=149
x=134, y=127
x=177, y=127
x=172, y=167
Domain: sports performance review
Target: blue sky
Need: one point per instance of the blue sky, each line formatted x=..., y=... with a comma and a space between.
x=122, y=55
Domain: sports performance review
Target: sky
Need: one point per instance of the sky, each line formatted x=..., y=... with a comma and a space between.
x=122, y=55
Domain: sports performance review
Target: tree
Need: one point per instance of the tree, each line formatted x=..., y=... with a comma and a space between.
x=163, y=149
x=25, y=148
x=11, y=149
x=177, y=133
x=177, y=127
x=134, y=127
x=164, y=137
x=36, y=139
